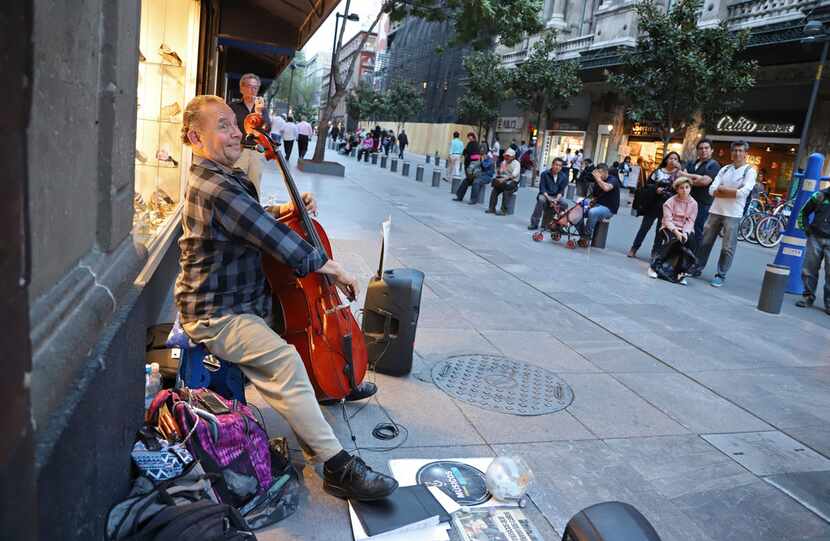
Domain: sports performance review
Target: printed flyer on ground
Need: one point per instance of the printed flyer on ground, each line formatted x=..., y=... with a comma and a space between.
x=495, y=525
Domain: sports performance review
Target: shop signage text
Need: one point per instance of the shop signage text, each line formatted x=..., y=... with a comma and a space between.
x=509, y=123
x=745, y=125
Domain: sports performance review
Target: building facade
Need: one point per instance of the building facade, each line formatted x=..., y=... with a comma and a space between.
x=363, y=69
x=593, y=32
x=97, y=169
x=318, y=68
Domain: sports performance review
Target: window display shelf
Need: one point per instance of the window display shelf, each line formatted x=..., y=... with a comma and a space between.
x=160, y=121
x=168, y=54
x=164, y=64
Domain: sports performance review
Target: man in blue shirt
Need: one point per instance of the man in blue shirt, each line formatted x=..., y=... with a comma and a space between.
x=552, y=187
x=456, y=152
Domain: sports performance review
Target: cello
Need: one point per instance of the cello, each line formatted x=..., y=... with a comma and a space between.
x=313, y=318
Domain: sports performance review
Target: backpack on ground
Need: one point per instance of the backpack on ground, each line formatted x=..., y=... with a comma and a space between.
x=231, y=444
x=180, y=509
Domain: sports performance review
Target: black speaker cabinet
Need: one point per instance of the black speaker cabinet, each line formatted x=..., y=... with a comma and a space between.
x=609, y=521
x=390, y=318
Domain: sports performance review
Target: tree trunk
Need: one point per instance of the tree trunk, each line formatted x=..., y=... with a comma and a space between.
x=339, y=87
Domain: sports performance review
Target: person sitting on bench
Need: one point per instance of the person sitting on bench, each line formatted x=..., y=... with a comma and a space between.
x=483, y=173
x=552, y=186
x=366, y=147
x=605, y=198
x=506, y=182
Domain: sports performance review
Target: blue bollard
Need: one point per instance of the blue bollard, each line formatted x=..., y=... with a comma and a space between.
x=791, y=250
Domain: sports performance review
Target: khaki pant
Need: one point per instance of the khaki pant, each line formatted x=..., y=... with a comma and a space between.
x=251, y=162
x=276, y=370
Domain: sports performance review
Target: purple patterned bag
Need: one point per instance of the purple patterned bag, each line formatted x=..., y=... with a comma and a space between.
x=229, y=442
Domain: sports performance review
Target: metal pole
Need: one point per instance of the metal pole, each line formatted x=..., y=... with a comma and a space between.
x=804, y=131
x=290, y=89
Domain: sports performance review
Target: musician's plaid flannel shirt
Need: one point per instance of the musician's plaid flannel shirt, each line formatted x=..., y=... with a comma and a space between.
x=224, y=229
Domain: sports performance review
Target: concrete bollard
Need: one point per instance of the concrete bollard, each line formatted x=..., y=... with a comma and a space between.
x=600, y=234
x=393, y=166
x=437, y=160
x=405, y=169
x=353, y=152
x=478, y=196
x=383, y=160
x=570, y=191
x=509, y=202
x=524, y=179
x=428, y=158
x=374, y=159
x=456, y=182
x=436, y=178
x=419, y=173
x=366, y=157
x=773, y=288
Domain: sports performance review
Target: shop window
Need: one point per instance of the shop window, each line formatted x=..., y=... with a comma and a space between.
x=166, y=82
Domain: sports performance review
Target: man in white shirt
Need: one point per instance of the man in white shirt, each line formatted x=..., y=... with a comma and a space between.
x=731, y=187
x=277, y=124
x=567, y=160
x=289, y=135
x=304, y=133
x=506, y=181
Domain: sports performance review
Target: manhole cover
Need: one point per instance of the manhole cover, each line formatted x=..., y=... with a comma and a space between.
x=502, y=384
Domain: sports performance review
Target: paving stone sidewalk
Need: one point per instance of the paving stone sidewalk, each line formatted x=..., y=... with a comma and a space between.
x=710, y=417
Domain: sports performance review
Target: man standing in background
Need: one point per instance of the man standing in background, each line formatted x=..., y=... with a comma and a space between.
x=702, y=172
x=289, y=135
x=403, y=140
x=304, y=133
x=250, y=160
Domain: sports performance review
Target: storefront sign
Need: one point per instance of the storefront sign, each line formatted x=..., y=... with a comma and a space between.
x=509, y=123
x=742, y=124
x=643, y=130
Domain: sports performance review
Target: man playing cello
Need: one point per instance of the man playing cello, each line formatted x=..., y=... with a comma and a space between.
x=224, y=300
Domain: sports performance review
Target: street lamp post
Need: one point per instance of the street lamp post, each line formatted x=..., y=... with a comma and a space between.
x=334, y=47
x=293, y=66
x=816, y=32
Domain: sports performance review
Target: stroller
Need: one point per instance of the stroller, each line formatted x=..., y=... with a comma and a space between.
x=566, y=219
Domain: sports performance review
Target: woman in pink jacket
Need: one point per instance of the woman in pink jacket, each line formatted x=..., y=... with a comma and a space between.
x=678, y=222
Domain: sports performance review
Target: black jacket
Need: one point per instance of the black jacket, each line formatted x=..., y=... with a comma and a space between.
x=819, y=206
x=403, y=139
x=553, y=186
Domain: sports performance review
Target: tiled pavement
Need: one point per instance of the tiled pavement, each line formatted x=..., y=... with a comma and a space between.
x=710, y=417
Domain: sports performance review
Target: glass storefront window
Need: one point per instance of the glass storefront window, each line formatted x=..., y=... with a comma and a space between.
x=774, y=162
x=556, y=145
x=168, y=44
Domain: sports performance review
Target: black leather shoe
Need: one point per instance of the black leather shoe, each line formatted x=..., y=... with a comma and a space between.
x=364, y=390
x=358, y=481
x=532, y=227
x=490, y=211
x=806, y=302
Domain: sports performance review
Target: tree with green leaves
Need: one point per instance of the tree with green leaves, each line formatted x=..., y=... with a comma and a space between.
x=485, y=88
x=365, y=103
x=541, y=84
x=679, y=70
x=402, y=102
x=478, y=23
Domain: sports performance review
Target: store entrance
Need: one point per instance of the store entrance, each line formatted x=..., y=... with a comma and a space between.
x=557, y=143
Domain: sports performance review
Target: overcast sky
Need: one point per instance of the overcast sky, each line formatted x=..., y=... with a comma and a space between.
x=323, y=39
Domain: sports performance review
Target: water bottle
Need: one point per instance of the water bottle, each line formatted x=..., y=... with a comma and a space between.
x=152, y=383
